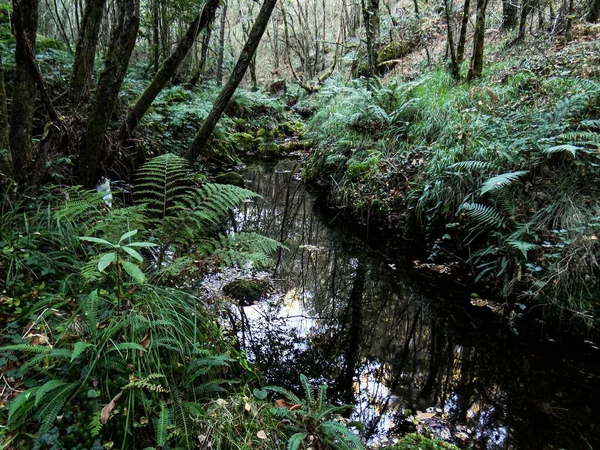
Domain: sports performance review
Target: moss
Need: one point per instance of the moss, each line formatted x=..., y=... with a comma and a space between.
x=230, y=178
x=243, y=142
x=247, y=292
x=293, y=146
x=240, y=124
x=417, y=441
x=269, y=150
x=290, y=128
x=264, y=135
x=393, y=50
x=221, y=151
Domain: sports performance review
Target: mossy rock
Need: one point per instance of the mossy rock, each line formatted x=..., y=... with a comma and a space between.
x=393, y=50
x=290, y=128
x=240, y=124
x=221, y=151
x=230, y=178
x=293, y=146
x=247, y=292
x=265, y=135
x=417, y=441
x=269, y=150
x=243, y=142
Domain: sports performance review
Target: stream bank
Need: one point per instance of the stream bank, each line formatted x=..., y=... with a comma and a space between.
x=400, y=347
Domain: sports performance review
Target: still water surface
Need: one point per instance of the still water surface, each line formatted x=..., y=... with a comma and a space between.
x=408, y=352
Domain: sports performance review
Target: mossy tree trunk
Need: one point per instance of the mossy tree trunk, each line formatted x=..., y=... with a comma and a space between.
x=258, y=29
x=525, y=10
x=476, y=67
x=109, y=84
x=221, y=50
x=168, y=69
x=83, y=65
x=370, y=9
x=6, y=167
x=24, y=19
x=453, y=62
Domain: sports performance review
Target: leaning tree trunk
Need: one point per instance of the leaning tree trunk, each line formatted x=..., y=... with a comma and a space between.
x=83, y=65
x=462, y=38
x=6, y=167
x=168, y=69
x=236, y=77
x=24, y=19
x=594, y=12
x=476, y=68
x=109, y=84
x=221, y=49
x=454, y=71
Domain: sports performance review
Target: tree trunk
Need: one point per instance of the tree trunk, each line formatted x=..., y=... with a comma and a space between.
x=155, y=36
x=594, y=12
x=83, y=65
x=476, y=69
x=6, y=167
x=25, y=20
x=236, y=77
x=453, y=62
x=462, y=39
x=525, y=9
x=168, y=69
x=509, y=14
x=109, y=84
x=370, y=10
x=221, y=50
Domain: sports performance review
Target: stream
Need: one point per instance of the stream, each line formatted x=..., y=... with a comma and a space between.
x=408, y=351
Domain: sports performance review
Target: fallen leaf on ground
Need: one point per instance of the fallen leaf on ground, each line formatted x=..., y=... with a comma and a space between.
x=104, y=415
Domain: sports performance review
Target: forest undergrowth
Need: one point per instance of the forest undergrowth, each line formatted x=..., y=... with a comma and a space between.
x=498, y=177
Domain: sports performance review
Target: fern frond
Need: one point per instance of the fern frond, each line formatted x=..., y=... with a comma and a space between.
x=308, y=390
x=52, y=405
x=472, y=166
x=482, y=215
x=296, y=440
x=341, y=436
x=162, y=423
x=501, y=181
x=290, y=396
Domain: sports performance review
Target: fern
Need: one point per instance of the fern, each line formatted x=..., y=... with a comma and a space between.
x=53, y=405
x=162, y=423
x=483, y=216
x=340, y=436
x=501, y=181
x=296, y=440
x=95, y=424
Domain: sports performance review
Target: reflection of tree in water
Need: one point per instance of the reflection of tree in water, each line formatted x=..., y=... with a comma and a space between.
x=370, y=333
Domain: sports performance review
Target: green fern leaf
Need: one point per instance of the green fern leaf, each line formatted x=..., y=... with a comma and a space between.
x=501, y=181
x=296, y=441
x=161, y=425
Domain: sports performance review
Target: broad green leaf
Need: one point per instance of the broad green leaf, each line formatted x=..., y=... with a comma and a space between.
x=142, y=244
x=127, y=235
x=95, y=240
x=133, y=253
x=260, y=394
x=134, y=271
x=106, y=260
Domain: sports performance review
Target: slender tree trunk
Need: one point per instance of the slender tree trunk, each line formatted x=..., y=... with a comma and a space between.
x=25, y=20
x=462, y=39
x=258, y=29
x=370, y=10
x=109, y=84
x=83, y=65
x=6, y=167
x=476, y=69
x=509, y=14
x=594, y=12
x=221, y=49
x=155, y=36
x=569, y=27
x=525, y=9
x=168, y=69
x=453, y=62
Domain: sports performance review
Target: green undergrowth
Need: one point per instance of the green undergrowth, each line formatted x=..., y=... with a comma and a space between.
x=105, y=344
x=503, y=175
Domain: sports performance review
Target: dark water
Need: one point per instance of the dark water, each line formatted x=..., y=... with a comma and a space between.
x=408, y=352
